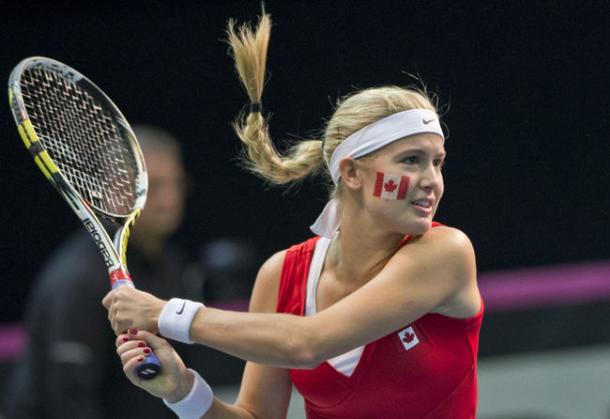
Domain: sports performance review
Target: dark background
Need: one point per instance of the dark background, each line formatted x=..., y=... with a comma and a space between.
x=527, y=83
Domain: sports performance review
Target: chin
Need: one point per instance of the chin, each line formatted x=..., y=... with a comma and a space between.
x=419, y=227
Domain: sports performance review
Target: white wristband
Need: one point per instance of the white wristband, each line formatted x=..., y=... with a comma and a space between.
x=176, y=318
x=196, y=403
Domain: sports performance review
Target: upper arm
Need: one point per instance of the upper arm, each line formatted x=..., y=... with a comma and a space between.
x=265, y=390
x=420, y=278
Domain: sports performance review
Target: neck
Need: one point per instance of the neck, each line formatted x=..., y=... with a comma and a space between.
x=359, y=252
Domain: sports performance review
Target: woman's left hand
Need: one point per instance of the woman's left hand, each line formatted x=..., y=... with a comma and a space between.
x=174, y=381
x=129, y=308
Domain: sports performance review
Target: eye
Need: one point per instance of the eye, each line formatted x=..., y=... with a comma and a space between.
x=439, y=163
x=411, y=160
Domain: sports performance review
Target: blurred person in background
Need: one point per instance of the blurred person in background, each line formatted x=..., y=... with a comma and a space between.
x=69, y=369
x=229, y=267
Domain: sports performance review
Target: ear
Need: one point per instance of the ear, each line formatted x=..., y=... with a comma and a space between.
x=348, y=169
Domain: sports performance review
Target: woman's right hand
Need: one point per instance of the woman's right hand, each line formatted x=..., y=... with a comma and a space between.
x=173, y=383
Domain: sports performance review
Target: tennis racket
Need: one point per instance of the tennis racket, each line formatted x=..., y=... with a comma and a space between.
x=85, y=147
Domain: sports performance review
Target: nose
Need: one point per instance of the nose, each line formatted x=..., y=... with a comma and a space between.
x=431, y=177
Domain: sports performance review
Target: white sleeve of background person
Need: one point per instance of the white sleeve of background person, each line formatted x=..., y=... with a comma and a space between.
x=176, y=318
x=196, y=403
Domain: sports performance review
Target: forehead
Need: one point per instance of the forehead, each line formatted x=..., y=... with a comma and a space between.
x=430, y=143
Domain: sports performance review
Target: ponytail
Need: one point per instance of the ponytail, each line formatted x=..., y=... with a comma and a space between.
x=249, y=51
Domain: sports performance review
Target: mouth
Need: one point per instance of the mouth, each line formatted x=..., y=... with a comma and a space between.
x=423, y=206
x=425, y=203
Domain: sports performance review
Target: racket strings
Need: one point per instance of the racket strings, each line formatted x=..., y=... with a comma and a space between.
x=84, y=140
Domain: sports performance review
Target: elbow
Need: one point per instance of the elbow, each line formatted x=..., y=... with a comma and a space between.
x=303, y=352
x=304, y=359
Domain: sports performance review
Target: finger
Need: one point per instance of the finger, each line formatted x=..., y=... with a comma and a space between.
x=124, y=343
x=136, y=352
x=117, y=327
x=152, y=340
x=119, y=322
x=121, y=339
x=130, y=366
x=111, y=318
x=113, y=325
x=108, y=298
x=124, y=338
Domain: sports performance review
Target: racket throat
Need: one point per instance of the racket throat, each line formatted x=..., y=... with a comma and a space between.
x=119, y=277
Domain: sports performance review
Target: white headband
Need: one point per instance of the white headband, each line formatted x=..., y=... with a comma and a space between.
x=367, y=140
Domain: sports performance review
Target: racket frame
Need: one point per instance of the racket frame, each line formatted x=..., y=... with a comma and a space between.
x=112, y=251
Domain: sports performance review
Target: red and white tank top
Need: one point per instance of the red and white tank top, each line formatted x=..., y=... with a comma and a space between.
x=426, y=369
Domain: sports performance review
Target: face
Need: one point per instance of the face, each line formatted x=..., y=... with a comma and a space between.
x=402, y=183
x=165, y=201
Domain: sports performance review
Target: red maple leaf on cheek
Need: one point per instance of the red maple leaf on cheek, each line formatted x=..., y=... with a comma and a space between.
x=408, y=338
x=389, y=186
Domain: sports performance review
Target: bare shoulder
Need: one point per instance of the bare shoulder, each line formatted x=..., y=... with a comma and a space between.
x=447, y=254
x=443, y=254
x=266, y=287
x=446, y=233
x=448, y=243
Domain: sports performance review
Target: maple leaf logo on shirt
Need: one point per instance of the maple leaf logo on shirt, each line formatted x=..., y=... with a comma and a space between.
x=389, y=186
x=408, y=338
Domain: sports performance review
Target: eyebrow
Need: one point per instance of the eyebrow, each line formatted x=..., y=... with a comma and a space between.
x=442, y=154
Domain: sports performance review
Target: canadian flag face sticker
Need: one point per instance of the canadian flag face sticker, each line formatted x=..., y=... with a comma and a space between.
x=408, y=338
x=391, y=186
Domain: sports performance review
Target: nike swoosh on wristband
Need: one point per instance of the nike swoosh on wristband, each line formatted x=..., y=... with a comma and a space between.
x=426, y=122
x=181, y=308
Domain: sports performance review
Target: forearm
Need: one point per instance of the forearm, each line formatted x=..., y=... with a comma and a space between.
x=280, y=340
x=198, y=398
x=193, y=396
x=222, y=410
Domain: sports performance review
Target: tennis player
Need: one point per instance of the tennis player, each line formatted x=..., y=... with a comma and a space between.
x=377, y=316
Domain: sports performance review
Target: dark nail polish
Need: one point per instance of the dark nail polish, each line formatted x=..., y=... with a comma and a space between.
x=146, y=350
x=125, y=339
x=133, y=332
x=140, y=358
x=141, y=344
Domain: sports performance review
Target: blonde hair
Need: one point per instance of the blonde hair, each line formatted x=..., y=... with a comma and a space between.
x=353, y=112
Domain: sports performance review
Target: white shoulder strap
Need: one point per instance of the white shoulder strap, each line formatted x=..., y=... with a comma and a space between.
x=315, y=269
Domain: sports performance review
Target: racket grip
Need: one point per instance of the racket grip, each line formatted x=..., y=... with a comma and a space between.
x=151, y=365
x=149, y=368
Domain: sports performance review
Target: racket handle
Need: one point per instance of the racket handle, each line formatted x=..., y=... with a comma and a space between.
x=150, y=368
x=151, y=365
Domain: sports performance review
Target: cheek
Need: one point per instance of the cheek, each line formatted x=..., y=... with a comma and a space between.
x=389, y=186
x=441, y=189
